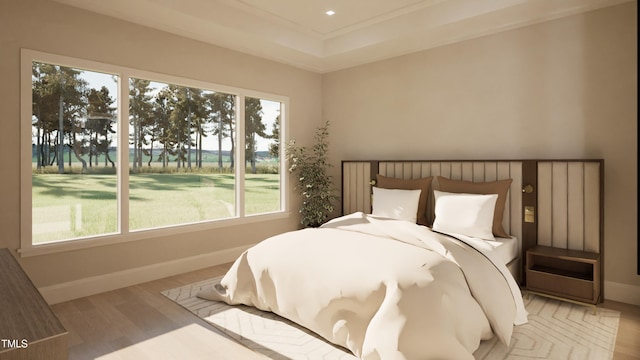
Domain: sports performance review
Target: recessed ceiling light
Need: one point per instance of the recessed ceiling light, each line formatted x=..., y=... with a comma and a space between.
x=330, y=12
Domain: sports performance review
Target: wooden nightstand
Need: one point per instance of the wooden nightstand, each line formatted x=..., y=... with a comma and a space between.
x=565, y=274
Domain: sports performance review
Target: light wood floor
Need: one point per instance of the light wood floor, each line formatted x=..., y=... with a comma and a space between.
x=138, y=322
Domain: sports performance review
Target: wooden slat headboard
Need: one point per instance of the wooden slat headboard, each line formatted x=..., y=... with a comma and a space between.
x=567, y=195
x=569, y=200
x=357, y=177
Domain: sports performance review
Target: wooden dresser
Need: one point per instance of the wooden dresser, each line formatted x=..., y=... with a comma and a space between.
x=28, y=327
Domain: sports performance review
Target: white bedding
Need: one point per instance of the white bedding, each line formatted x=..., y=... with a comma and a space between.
x=504, y=249
x=382, y=288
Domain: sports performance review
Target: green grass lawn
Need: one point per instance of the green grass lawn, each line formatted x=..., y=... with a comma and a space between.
x=72, y=205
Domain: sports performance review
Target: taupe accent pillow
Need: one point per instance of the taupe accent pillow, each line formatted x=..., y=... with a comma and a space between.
x=500, y=187
x=423, y=184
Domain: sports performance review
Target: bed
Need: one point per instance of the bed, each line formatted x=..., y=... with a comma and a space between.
x=419, y=266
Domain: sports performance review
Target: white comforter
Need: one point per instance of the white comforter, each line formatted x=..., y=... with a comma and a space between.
x=384, y=289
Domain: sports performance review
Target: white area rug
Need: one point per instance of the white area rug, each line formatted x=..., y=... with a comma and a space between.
x=556, y=330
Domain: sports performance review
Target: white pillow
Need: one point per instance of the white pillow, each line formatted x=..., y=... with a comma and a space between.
x=466, y=214
x=396, y=203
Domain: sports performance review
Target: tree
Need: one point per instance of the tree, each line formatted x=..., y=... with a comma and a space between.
x=196, y=120
x=221, y=115
x=254, y=127
x=40, y=96
x=60, y=99
x=179, y=129
x=274, y=147
x=162, y=108
x=99, y=124
x=140, y=117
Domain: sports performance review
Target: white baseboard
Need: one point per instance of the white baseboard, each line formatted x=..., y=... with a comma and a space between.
x=97, y=284
x=625, y=293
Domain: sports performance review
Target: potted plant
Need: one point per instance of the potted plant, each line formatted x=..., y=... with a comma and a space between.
x=315, y=186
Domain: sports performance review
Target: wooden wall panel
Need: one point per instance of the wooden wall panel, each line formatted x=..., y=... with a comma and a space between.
x=559, y=207
x=570, y=204
x=490, y=172
x=356, y=190
x=575, y=209
x=593, y=189
x=544, y=212
x=512, y=220
x=529, y=173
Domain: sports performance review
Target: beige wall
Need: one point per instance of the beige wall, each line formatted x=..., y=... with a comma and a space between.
x=50, y=27
x=560, y=89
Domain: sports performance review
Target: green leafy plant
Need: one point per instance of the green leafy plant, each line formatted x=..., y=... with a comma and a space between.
x=315, y=186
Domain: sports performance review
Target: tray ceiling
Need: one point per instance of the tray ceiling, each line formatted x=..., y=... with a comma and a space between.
x=300, y=33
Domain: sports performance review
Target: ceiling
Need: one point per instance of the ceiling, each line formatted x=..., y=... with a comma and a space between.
x=299, y=33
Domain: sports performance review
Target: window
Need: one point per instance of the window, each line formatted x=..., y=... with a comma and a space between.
x=107, y=168
x=182, y=155
x=262, y=154
x=72, y=141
